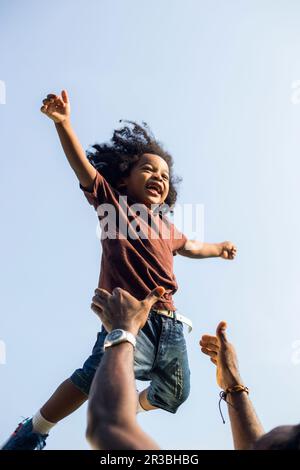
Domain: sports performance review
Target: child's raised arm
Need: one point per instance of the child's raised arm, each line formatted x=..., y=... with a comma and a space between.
x=58, y=109
x=197, y=249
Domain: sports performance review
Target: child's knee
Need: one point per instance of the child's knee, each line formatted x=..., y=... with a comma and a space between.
x=170, y=396
x=183, y=384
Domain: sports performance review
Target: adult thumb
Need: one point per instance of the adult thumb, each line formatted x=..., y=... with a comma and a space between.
x=221, y=332
x=154, y=295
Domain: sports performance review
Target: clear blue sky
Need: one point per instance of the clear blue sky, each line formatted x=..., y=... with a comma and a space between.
x=213, y=80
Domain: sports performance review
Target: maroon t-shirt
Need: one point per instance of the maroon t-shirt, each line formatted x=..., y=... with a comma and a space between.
x=138, y=245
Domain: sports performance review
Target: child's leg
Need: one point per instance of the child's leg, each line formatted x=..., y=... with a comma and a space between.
x=71, y=394
x=170, y=384
x=66, y=399
x=32, y=433
x=144, y=402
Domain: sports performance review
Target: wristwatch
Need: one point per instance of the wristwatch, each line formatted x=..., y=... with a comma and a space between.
x=119, y=336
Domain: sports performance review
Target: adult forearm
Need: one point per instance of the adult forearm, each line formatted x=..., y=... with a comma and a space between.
x=113, y=395
x=245, y=425
x=75, y=154
x=113, y=403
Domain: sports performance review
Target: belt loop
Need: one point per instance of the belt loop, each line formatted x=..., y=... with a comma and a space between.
x=174, y=317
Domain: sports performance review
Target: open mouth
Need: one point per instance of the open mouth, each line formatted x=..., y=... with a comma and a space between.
x=154, y=189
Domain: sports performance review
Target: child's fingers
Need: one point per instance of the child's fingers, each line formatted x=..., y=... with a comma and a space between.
x=230, y=254
x=47, y=102
x=45, y=110
x=54, y=102
x=65, y=96
x=48, y=109
x=60, y=101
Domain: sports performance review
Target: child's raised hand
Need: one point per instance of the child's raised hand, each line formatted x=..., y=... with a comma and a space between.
x=228, y=250
x=57, y=107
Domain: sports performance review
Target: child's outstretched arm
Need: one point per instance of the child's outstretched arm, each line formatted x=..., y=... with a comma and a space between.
x=58, y=109
x=197, y=249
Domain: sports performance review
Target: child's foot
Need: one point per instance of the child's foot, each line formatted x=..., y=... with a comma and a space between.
x=24, y=438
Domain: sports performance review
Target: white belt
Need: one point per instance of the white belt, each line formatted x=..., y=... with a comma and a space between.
x=177, y=316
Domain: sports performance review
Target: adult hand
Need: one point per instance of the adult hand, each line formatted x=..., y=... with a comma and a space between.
x=223, y=355
x=121, y=310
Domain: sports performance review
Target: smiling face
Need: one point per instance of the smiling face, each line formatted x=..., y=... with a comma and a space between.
x=148, y=182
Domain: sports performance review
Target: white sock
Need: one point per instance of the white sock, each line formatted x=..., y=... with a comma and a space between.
x=139, y=408
x=40, y=424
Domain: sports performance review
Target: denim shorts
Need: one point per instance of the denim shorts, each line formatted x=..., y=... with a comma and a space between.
x=160, y=357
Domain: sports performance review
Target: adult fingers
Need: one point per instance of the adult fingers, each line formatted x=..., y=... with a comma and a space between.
x=221, y=332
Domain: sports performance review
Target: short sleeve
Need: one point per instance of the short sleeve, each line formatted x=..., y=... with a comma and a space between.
x=178, y=240
x=100, y=192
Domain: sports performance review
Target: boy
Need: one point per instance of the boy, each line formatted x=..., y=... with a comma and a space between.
x=138, y=250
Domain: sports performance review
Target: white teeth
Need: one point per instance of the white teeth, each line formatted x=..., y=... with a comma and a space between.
x=155, y=188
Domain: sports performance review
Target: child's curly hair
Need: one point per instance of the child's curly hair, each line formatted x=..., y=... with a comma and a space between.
x=117, y=158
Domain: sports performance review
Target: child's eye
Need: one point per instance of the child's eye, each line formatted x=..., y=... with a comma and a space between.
x=166, y=177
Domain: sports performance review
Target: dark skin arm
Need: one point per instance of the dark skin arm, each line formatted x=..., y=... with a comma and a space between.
x=112, y=423
x=112, y=406
x=245, y=425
